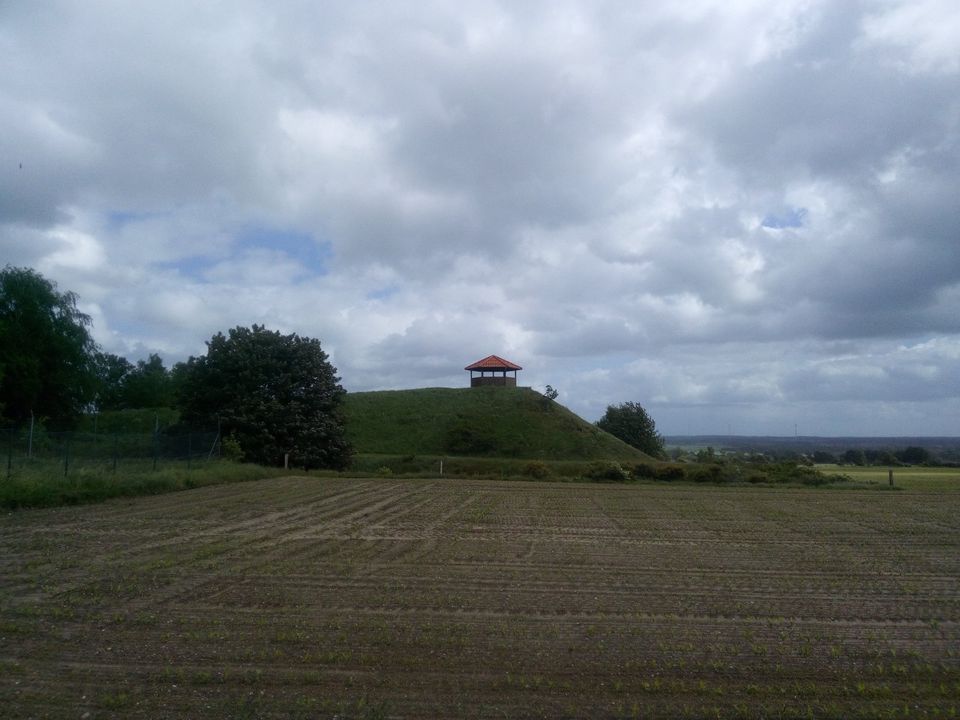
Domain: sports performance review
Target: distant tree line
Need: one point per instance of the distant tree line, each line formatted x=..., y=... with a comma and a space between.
x=270, y=395
x=912, y=455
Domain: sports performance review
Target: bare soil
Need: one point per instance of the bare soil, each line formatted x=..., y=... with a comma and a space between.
x=305, y=597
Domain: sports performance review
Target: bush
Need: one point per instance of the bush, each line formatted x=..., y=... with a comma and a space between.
x=644, y=470
x=671, y=472
x=536, y=469
x=464, y=439
x=230, y=448
x=602, y=471
x=707, y=473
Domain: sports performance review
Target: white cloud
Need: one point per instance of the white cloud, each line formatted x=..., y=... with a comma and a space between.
x=735, y=211
x=927, y=31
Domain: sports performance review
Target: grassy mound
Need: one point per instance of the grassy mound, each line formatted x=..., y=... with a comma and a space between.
x=476, y=422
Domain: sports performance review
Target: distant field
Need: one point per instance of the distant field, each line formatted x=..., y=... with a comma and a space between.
x=333, y=597
x=908, y=478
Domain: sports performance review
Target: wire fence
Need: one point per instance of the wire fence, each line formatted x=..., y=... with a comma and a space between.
x=69, y=452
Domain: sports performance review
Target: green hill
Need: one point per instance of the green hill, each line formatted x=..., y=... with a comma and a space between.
x=476, y=422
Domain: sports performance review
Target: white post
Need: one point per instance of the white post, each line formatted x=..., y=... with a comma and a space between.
x=441, y=468
x=286, y=461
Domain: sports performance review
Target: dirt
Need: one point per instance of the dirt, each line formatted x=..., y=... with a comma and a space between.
x=346, y=598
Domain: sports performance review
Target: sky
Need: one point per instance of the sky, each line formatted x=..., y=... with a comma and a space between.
x=743, y=215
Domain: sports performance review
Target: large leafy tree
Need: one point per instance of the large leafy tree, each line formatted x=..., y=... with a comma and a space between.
x=111, y=372
x=122, y=385
x=46, y=351
x=631, y=423
x=148, y=385
x=274, y=393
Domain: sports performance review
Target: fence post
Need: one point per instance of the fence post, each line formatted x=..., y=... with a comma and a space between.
x=116, y=451
x=216, y=444
x=66, y=453
x=890, y=476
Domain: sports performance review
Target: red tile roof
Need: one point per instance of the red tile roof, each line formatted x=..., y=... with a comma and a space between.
x=493, y=362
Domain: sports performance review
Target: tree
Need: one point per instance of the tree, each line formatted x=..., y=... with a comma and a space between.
x=275, y=394
x=46, y=351
x=631, y=423
x=914, y=455
x=885, y=457
x=111, y=372
x=854, y=456
x=148, y=385
x=823, y=457
x=122, y=385
x=548, y=397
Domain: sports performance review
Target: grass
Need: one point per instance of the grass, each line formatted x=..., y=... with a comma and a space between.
x=906, y=478
x=488, y=467
x=42, y=483
x=475, y=422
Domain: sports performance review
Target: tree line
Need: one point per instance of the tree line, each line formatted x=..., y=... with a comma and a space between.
x=912, y=455
x=270, y=395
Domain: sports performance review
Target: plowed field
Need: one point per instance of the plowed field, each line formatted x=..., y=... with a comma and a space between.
x=413, y=598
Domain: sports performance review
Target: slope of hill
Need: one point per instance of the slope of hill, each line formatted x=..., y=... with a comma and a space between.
x=477, y=422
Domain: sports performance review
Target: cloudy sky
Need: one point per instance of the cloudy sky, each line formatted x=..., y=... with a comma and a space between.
x=744, y=215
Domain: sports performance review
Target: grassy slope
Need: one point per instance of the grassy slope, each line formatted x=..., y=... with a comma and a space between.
x=518, y=422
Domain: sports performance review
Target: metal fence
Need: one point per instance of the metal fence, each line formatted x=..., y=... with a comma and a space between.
x=72, y=451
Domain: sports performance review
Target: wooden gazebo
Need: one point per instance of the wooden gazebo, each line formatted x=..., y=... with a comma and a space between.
x=493, y=371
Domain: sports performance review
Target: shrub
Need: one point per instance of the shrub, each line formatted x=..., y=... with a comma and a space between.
x=464, y=439
x=671, y=472
x=536, y=469
x=602, y=471
x=384, y=471
x=708, y=473
x=230, y=448
x=644, y=470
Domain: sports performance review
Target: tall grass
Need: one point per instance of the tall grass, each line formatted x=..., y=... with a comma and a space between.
x=43, y=483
